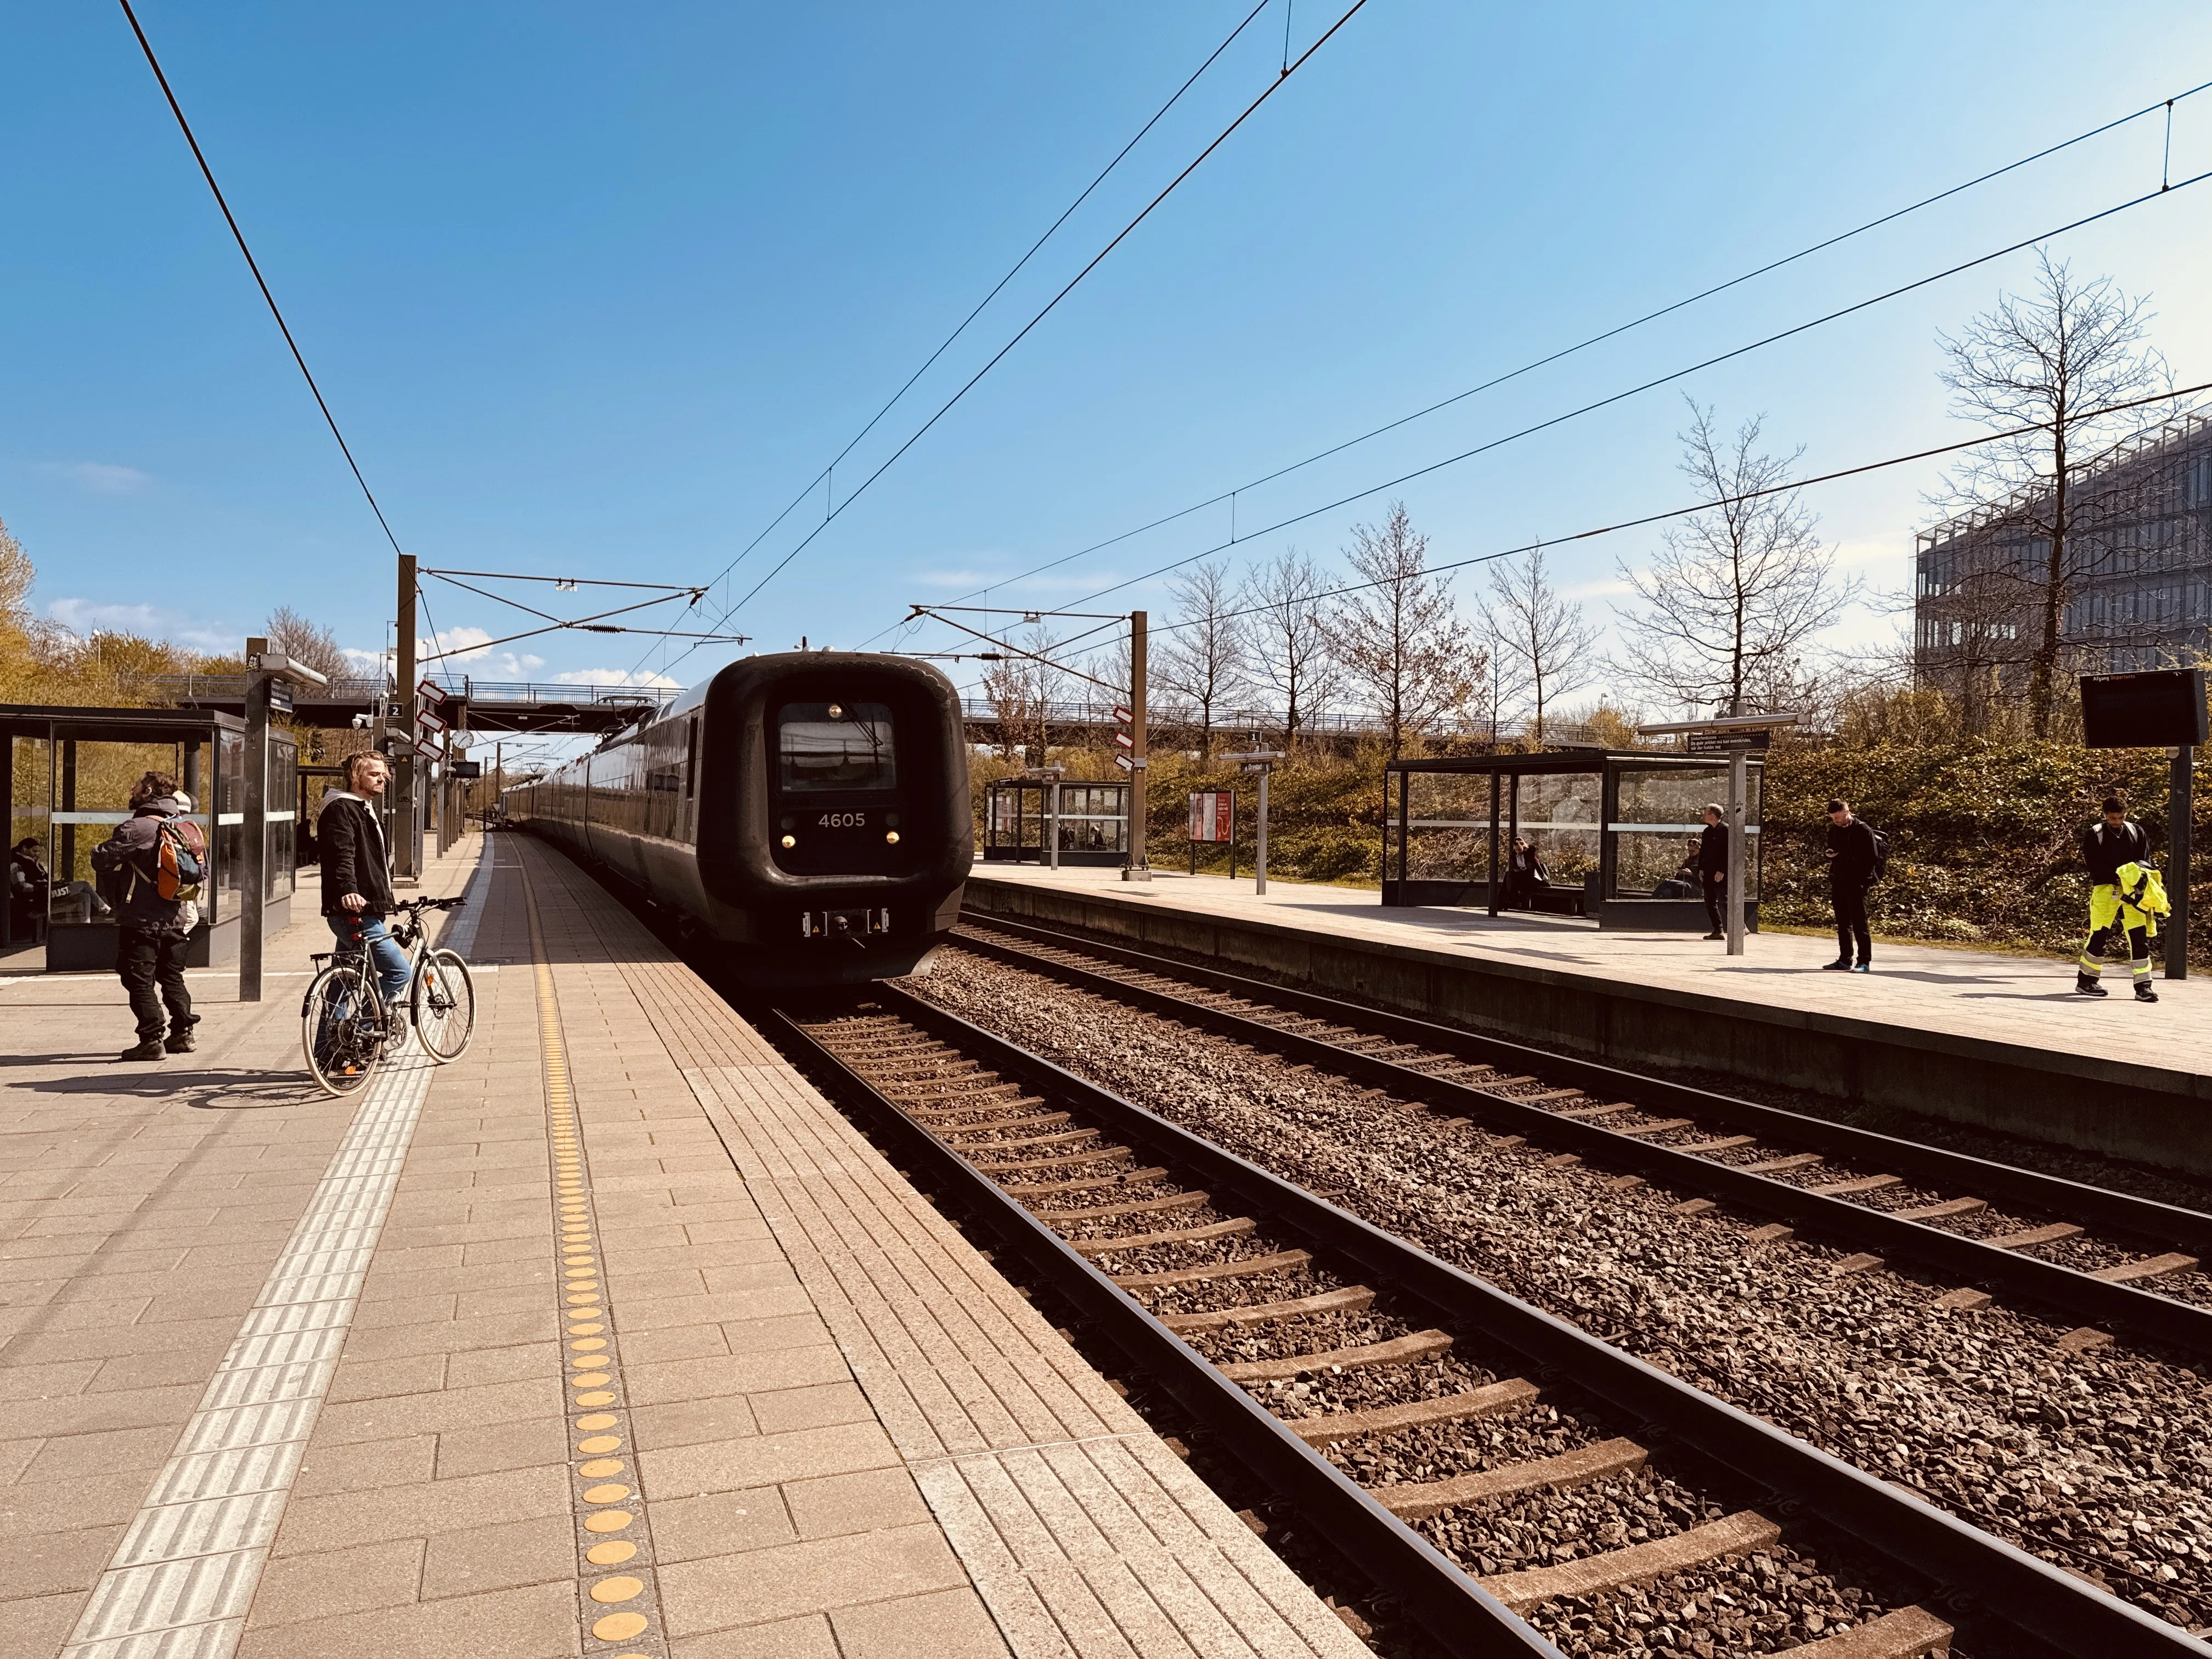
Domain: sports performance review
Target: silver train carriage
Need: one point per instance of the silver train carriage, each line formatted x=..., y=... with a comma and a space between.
x=807, y=811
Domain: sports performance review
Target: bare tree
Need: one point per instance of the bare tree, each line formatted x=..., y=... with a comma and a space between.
x=1200, y=658
x=1736, y=592
x=1543, y=638
x=2051, y=361
x=1398, y=636
x=1021, y=690
x=308, y=642
x=1290, y=654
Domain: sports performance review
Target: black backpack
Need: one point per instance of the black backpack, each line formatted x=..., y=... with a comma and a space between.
x=1880, y=851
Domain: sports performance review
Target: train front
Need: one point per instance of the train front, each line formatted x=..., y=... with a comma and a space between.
x=835, y=830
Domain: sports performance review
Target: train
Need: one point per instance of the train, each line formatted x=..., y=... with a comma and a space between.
x=804, y=815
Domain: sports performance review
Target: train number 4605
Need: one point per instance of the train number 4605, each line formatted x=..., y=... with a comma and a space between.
x=842, y=821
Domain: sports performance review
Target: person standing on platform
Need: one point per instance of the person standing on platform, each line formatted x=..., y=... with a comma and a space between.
x=1854, y=861
x=1712, y=868
x=357, y=875
x=2115, y=843
x=152, y=934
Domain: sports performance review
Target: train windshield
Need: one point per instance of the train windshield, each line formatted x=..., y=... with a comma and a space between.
x=832, y=745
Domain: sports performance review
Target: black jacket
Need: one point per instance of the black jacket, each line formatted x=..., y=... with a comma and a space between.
x=354, y=858
x=1851, y=849
x=129, y=853
x=1712, y=850
x=2104, y=849
x=27, y=880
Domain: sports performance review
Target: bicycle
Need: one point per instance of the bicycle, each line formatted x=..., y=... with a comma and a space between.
x=346, y=1029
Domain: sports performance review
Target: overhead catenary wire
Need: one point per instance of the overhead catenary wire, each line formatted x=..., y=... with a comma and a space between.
x=1097, y=259
x=1649, y=518
x=253, y=265
x=1647, y=385
x=1230, y=495
x=826, y=477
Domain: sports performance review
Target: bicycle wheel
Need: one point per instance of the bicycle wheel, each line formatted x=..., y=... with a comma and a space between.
x=338, y=1030
x=445, y=1006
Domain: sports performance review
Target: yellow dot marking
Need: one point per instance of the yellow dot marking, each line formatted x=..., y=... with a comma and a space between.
x=608, y=1521
x=599, y=1398
x=589, y=1300
x=585, y=1330
x=589, y=1344
x=614, y=1494
x=613, y=1553
x=594, y=1380
x=619, y=1626
x=599, y=1443
x=617, y=1589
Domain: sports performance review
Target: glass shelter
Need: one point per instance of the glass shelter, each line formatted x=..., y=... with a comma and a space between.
x=1610, y=836
x=67, y=785
x=1090, y=820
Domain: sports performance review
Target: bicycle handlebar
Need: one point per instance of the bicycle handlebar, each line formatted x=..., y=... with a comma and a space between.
x=431, y=903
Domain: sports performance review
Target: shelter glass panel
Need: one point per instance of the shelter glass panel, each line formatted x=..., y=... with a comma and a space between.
x=1559, y=816
x=1661, y=816
x=1447, y=827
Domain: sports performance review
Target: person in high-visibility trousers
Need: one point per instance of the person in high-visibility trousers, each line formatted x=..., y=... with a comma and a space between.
x=2126, y=897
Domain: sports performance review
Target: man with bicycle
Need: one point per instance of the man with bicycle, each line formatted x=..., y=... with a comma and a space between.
x=357, y=875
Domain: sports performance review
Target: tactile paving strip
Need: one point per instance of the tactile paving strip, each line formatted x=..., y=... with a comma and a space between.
x=180, y=1582
x=618, y=1596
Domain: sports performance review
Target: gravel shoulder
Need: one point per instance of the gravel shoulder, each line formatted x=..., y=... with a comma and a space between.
x=2099, y=1461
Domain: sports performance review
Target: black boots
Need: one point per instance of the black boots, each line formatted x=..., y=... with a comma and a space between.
x=149, y=1049
x=2087, y=986
x=2143, y=992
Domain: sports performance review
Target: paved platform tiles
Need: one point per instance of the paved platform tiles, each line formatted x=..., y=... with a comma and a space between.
x=818, y=1420
x=2027, y=1001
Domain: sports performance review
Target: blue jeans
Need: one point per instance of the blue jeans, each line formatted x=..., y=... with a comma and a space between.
x=361, y=929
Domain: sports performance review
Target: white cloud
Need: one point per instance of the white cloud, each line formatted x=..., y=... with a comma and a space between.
x=84, y=617
x=617, y=679
x=100, y=478
x=468, y=651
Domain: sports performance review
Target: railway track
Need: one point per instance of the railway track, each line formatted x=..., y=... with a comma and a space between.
x=1891, y=1198
x=1421, y=1419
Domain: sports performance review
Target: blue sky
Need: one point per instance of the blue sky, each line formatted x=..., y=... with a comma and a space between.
x=597, y=291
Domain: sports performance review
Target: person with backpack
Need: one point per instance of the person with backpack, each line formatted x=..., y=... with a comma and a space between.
x=1857, y=860
x=2121, y=883
x=158, y=858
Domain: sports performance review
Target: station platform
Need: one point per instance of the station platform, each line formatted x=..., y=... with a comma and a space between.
x=1980, y=1036
x=611, y=1338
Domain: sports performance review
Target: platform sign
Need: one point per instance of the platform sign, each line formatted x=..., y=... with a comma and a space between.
x=1125, y=763
x=1122, y=714
x=430, y=692
x=1720, y=742
x=428, y=750
x=431, y=725
x=464, y=770
x=1123, y=740
x=1213, y=816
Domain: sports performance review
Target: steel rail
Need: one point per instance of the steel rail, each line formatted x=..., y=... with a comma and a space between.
x=1976, y=1573
x=2150, y=1318
x=1458, y=1612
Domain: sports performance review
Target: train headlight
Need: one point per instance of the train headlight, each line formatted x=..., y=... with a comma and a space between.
x=791, y=840
x=891, y=836
x=836, y=711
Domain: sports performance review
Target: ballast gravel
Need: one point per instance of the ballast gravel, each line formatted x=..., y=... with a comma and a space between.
x=2099, y=1460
